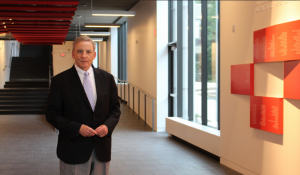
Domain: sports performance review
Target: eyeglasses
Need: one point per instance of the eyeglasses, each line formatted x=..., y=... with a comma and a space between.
x=79, y=51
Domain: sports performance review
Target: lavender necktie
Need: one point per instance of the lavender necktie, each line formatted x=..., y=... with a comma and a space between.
x=87, y=85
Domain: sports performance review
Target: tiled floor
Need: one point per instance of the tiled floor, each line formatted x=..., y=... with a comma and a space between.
x=28, y=143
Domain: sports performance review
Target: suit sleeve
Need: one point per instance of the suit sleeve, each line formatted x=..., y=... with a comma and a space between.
x=114, y=107
x=54, y=112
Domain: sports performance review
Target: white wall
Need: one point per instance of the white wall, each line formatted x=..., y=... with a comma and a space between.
x=7, y=49
x=141, y=47
x=112, y=52
x=102, y=55
x=147, y=58
x=242, y=148
x=62, y=63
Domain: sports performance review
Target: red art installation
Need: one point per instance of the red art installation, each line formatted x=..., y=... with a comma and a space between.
x=266, y=113
x=242, y=79
x=275, y=43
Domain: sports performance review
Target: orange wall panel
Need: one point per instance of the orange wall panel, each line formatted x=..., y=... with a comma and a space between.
x=266, y=113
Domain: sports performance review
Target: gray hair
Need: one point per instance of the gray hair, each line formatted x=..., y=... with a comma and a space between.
x=83, y=38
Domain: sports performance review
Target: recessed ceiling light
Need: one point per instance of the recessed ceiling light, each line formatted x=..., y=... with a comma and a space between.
x=95, y=33
x=97, y=39
x=101, y=25
x=112, y=13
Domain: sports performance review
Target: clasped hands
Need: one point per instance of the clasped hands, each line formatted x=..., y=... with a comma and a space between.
x=86, y=131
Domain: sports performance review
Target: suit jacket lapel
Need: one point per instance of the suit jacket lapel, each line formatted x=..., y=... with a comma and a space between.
x=99, y=80
x=78, y=85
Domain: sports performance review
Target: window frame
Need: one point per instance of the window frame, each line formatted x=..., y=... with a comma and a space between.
x=191, y=62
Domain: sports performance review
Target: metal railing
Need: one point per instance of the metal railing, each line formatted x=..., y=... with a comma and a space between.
x=11, y=53
x=123, y=90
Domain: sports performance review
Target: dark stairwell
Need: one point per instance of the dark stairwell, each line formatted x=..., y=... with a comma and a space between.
x=28, y=88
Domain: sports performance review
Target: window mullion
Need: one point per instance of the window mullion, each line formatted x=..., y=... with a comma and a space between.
x=179, y=59
x=191, y=59
x=204, y=62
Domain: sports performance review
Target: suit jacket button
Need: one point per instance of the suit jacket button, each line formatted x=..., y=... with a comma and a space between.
x=94, y=117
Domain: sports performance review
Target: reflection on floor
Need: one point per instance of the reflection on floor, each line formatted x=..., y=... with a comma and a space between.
x=28, y=143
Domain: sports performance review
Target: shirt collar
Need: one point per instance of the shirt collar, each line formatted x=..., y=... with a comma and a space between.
x=80, y=71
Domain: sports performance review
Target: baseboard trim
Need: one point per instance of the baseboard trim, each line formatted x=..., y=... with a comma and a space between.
x=217, y=158
x=236, y=167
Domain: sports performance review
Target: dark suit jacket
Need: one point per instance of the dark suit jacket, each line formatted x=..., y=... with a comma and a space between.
x=68, y=107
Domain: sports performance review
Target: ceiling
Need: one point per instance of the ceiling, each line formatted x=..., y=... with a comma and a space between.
x=55, y=21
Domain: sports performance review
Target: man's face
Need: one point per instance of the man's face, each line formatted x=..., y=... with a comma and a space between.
x=84, y=54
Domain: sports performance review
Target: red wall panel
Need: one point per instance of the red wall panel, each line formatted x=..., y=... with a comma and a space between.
x=266, y=113
x=259, y=43
x=277, y=43
x=291, y=79
x=242, y=79
x=270, y=47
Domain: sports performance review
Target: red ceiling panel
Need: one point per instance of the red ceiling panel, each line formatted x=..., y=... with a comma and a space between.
x=36, y=18
x=42, y=26
x=37, y=8
x=38, y=35
x=24, y=29
x=42, y=40
x=37, y=22
x=52, y=14
x=39, y=32
x=42, y=43
x=34, y=22
x=41, y=2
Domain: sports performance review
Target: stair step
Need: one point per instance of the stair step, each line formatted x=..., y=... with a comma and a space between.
x=30, y=74
x=7, y=107
x=25, y=90
x=29, y=68
x=22, y=111
x=23, y=94
x=26, y=76
x=23, y=102
x=25, y=86
x=29, y=79
x=23, y=98
x=27, y=82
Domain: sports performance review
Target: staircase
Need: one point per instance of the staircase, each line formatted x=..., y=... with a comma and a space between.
x=28, y=88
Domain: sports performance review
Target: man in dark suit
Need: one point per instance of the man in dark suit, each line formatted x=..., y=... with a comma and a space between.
x=83, y=105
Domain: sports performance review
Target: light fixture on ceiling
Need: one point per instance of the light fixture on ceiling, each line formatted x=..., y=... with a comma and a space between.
x=76, y=29
x=79, y=16
x=97, y=39
x=102, y=25
x=112, y=13
x=95, y=33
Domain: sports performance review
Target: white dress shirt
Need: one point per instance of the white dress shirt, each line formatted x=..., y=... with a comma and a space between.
x=91, y=77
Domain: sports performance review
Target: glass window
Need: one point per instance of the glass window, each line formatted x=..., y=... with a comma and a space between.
x=199, y=62
x=185, y=60
x=212, y=63
x=95, y=62
x=122, y=52
x=198, y=56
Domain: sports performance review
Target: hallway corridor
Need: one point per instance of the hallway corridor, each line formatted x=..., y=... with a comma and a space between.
x=28, y=146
